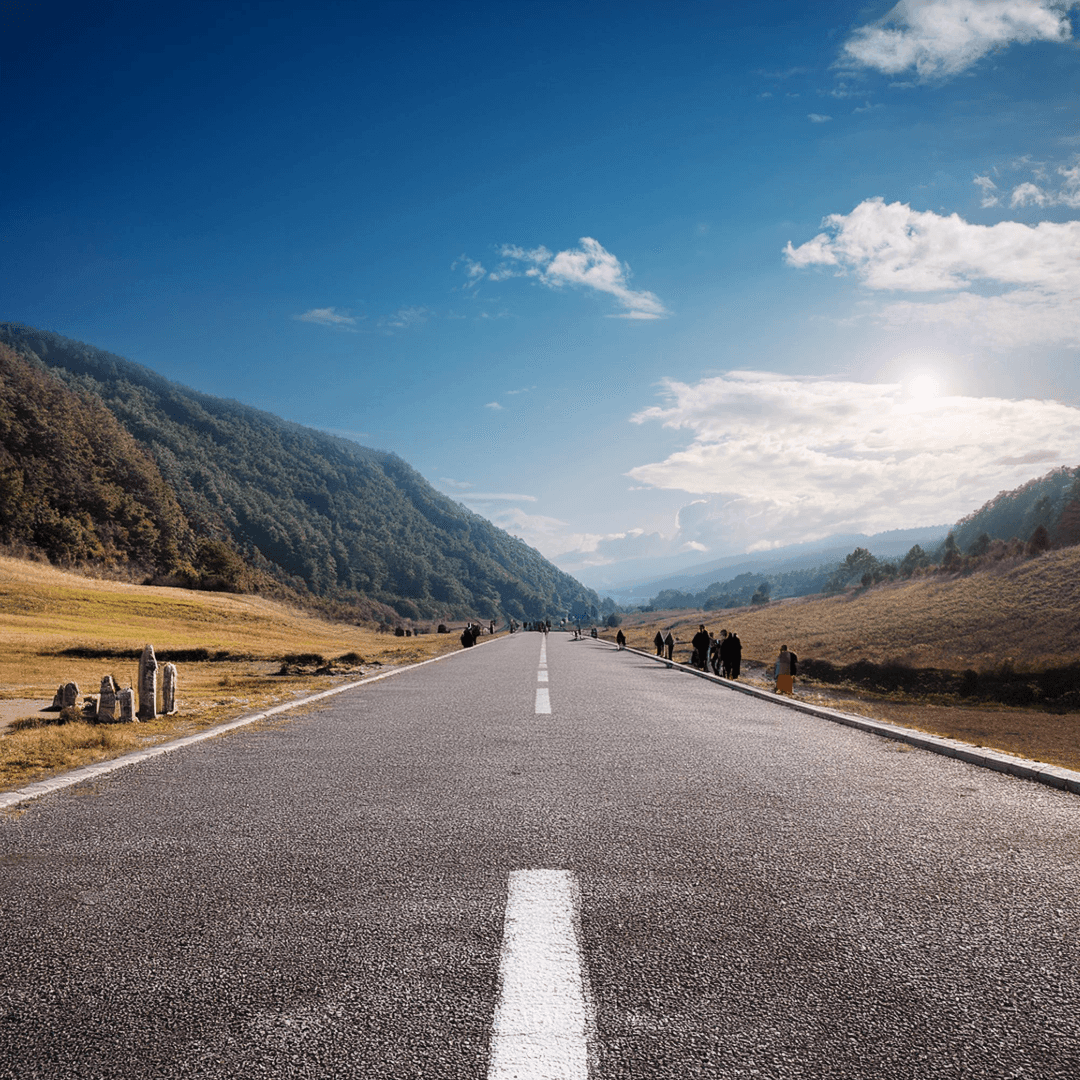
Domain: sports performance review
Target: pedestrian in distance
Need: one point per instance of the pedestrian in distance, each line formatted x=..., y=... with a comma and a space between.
x=701, y=642
x=725, y=653
x=658, y=641
x=783, y=671
x=735, y=653
x=620, y=640
x=669, y=644
x=714, y=653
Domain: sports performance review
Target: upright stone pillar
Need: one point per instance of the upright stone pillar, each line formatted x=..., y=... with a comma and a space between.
x=70, y=695
x=106, y=709
x=168, y=689
x=126, y=701
x=148, y=684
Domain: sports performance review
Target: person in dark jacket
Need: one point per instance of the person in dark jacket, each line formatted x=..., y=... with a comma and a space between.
x=701, y=642
x=620, y=640
x=658, y=641
x=736, y=654
x=669, y=644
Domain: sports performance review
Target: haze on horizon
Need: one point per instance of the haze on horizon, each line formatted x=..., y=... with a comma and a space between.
x=632, y=280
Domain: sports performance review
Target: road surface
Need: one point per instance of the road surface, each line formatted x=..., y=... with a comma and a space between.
x=542, y=858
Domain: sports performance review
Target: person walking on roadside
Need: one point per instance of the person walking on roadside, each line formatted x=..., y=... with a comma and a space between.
x=723, y=654
x=734, y=654
x=783, y=671
x=620, y=640
x=701, y=642
x=714, y=653
x=669, y=644
x=658, y=641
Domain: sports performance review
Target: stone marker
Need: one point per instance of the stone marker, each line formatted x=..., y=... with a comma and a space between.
x=106, y=709
x=168, y=689
x=58, y=698
x=148, y=684
x=126, y=700
x=70, y=696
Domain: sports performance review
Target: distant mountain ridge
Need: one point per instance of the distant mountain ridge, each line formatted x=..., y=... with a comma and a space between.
x=318, y=514
x=891, y=544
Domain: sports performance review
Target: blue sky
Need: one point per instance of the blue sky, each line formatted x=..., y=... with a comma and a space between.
x=631, y=279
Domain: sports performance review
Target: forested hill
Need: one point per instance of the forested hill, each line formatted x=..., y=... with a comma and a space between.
x=319, y=514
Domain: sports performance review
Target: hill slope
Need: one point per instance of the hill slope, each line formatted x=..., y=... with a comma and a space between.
x=317, y=513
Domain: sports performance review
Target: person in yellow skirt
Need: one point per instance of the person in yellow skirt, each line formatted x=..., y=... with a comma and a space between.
x=784, y=672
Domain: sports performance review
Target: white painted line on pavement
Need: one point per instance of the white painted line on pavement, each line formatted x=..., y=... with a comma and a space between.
x=542, y=1021
x=543, y=700
x=542, y=675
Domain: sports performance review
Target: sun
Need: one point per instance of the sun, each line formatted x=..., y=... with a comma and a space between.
x=924, y=387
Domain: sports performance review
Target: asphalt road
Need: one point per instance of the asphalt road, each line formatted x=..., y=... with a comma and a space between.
x=760, y=892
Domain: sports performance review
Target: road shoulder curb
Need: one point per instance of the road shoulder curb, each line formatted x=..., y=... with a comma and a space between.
x=1041, y=772
x=50, y=784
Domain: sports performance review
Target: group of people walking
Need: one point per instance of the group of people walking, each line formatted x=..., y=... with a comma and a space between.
x=722, y=655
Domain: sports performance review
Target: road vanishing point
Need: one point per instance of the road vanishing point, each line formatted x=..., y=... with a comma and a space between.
x=542, y=859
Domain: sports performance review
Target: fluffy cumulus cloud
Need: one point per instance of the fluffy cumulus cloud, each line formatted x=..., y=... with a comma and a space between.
x=1050, y=192
x=328, y=316
x=940, y=38
x=774, y=459
x=1009, y=284
x=589, y=266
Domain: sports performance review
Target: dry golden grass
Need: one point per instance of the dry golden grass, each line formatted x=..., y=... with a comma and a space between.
x=44, y=611
x=1028, y=612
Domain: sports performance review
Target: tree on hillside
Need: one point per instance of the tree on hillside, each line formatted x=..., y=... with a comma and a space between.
x=761, y=593
x=1038, y=542
x=913, y=560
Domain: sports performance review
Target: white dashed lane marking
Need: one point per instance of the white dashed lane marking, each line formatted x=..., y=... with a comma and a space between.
x=543, y=696
x=542, y=1021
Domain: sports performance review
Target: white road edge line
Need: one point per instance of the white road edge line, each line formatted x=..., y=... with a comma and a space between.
x=38, y=788
x=543, y=1020
x=543, y=701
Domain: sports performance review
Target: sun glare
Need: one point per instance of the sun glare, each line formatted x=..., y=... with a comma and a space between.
x=924, y=387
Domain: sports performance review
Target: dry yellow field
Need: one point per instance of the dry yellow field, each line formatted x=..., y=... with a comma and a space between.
x=44, y=611
x=1028, y=613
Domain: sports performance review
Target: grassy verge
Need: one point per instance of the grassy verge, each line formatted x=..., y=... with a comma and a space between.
x=1018, y=619
x=57, y=627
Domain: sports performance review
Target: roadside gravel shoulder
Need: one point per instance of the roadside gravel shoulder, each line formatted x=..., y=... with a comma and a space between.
x=1041, y=772
x=35, y=790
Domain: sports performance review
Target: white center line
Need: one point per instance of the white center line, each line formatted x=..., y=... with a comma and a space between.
x=542, y=1021
x=543, y=696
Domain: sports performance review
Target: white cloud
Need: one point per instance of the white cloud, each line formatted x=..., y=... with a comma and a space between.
x=1067, y=192
x=495, y=496
x=406, y=317
x=474, y=271
x=988, y=188
x=493, y=405
x=589, y=266
x=939, y=38
x=818, y=118
x=1011, y=282
x=776, y=459
x=328, y=316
